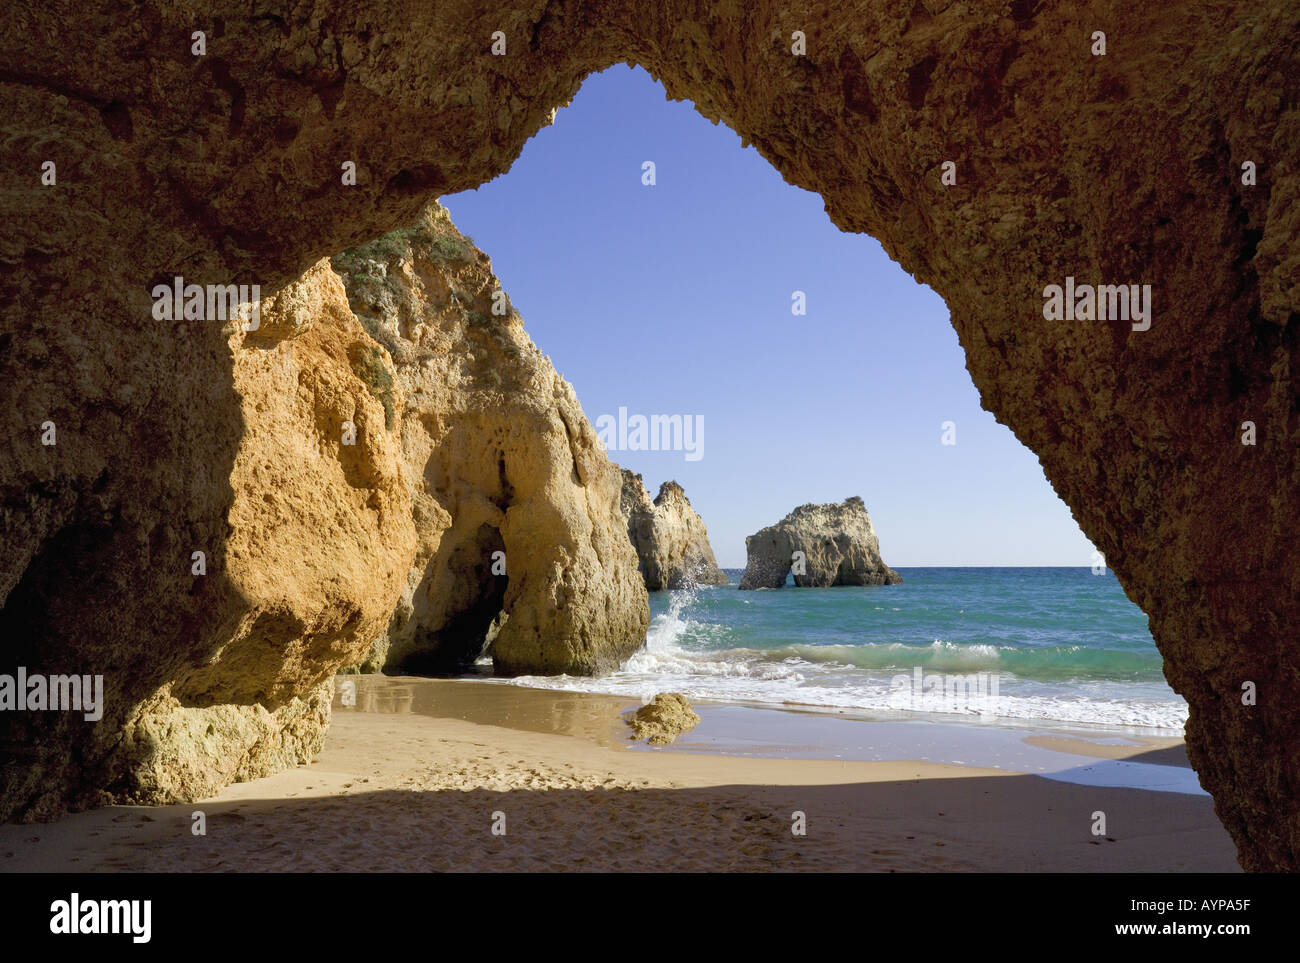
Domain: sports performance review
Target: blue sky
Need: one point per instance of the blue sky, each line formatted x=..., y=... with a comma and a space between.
x=676, y=299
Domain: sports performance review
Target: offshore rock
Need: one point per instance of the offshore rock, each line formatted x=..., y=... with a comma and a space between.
x=824, y=544
x=669, y=536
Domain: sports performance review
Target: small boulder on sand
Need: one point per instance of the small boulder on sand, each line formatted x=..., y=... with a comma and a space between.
x=663, y=719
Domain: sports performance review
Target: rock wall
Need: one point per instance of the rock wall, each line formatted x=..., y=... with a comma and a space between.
x=838, y=545
x=216, y=640
x=382, y=460
x=671, y=542
x=1170, y=160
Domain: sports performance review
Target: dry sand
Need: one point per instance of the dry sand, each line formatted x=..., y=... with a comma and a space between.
x=405, y=787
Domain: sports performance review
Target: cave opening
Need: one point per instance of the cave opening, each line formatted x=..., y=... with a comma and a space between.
x=819, y=367
x=1139, y=432
x=807, y=357
x=474, y=578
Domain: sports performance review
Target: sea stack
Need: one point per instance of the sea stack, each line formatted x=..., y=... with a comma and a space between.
x=838, y=545
x=671, y=542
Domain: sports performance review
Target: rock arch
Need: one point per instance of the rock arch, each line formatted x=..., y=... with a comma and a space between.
x=1122, y=168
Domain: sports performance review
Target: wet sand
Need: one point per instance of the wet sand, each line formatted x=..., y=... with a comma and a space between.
x=476, y=776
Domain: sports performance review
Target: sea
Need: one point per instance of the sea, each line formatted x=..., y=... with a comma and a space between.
x=1029, y=646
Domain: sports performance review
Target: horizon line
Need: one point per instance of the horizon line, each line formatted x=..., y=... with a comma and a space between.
x=1084, y=565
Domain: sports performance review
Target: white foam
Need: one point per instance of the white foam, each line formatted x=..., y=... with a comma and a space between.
x=757, y=676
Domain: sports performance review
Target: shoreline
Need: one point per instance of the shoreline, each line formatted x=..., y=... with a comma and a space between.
x=418, y=775
x=764, y=730
x=951, y=627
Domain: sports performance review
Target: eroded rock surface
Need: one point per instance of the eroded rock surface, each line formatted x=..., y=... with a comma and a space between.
x=216, y=639
x=1122, y=168
x=664, y=718
x=825, y=545
x=671, y=542
x=382, y=460
x=516, y=506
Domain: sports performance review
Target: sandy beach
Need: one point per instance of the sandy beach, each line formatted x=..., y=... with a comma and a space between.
x=474, y=776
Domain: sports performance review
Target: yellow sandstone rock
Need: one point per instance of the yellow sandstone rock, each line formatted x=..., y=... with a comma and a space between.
x=663, y=719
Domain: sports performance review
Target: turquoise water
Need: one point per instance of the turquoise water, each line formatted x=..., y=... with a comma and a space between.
x=1032, y=644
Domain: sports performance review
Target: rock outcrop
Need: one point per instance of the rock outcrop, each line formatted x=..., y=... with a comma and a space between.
x=663, y=719
x=384, y=455
x=671, y=542
x=824, y=544
x=519, y=535
x=216, y=636
x=1171, y=159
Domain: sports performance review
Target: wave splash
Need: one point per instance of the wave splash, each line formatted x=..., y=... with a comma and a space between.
x=698, y=657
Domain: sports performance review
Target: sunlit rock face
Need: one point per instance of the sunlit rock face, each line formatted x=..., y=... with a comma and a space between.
x=823, y=545
x=412, y=481
x=521, y=550
x=670, y=538
x=1167, y=160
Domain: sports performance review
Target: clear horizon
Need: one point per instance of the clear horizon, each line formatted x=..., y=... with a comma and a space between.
x=677, y=299
x=924, y=565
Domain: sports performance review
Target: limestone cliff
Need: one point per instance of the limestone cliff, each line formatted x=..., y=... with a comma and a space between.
x=516, y=506
x=217, y=656
x=669, y=536
x=377, y=468
x=824, y=544
x=991, y=148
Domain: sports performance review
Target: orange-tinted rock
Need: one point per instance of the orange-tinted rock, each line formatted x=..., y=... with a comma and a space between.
x=521, y=549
